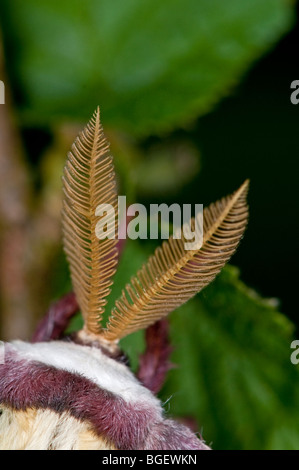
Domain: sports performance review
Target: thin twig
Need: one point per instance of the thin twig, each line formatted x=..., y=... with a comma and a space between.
x=14, y=209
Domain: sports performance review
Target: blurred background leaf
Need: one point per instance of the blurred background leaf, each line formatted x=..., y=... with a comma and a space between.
x=151, y=65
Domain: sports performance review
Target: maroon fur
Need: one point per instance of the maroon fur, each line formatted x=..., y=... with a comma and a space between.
x=170, y=435
x=154, y=363
x=56, y=320
x=135, y=426
x=31, y=384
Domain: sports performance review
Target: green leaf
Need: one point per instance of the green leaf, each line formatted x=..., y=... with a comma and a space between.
x=150, y=65
x=234, y=374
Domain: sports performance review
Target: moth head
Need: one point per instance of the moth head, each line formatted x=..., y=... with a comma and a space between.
x=170, y=277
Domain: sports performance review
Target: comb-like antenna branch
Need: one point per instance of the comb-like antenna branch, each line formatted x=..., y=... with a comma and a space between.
x=173, y=274
x=89, y=181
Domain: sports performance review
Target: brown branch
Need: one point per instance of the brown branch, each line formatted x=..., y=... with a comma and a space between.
x=15, y=195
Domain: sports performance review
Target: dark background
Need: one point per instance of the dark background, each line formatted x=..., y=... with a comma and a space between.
x=268, y=255
x=254, y=134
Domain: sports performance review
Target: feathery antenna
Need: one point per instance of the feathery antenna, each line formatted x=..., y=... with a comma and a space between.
x=173, y=275
x=88, y=181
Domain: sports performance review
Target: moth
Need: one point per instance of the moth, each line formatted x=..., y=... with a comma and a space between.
x=77, y=392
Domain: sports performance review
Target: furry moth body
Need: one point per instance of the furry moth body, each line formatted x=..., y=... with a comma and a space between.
x=76, y=393
x=61, y=395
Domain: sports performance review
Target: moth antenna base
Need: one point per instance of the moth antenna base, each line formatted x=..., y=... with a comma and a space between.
x=89, y=339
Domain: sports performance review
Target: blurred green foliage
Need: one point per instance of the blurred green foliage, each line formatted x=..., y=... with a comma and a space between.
x=151, y=65
x=154, y=67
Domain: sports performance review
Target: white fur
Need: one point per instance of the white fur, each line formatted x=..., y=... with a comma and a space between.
x=91, y=363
